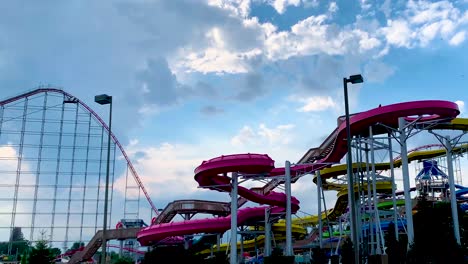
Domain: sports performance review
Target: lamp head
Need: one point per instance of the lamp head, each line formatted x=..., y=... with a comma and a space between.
x=356, y=79
x=103, y=99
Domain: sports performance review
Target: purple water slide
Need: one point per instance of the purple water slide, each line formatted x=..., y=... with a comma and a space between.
x=213, y=173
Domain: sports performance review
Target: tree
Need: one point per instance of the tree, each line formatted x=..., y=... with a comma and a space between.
x=123, y=260
x=434, y=221
x=41, y=253
x=347, y=252
x=77, y=245
x=16, y=235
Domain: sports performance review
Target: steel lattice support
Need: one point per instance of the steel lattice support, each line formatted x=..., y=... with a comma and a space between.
x=51, y=163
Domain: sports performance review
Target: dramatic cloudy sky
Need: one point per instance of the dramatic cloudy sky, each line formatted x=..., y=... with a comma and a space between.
x=192, y=80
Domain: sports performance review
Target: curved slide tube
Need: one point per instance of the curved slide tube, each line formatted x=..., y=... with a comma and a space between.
x=342, y=200
x=207, y=175
x=278, y=229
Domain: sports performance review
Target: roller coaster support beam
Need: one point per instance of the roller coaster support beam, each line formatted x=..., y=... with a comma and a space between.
x=406, y=183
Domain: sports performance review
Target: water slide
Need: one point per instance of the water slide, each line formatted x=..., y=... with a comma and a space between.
x=279, y=231
x=382, y=187
x=211, y=174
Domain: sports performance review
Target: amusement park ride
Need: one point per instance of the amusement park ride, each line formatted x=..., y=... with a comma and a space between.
x=52, y=151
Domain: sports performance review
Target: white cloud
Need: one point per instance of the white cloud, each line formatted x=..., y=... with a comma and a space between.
x=398, y=33
x=461, y=107
x=237, y=7
x=458, y=38
x=280, y=5
x=314, y=103
x=365, y=5
x=246, y=134
x=278, y=135
x=422, y=22
x=166, y=170
x=333, y=7
x=219, y=60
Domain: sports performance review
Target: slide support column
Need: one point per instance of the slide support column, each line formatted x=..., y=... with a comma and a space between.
x=319, y=207
x=378, y=249
x=289, y=251
x=233, y=257
x=267, y=233
x=392, y=179
x=406, y=183
x=453, y=198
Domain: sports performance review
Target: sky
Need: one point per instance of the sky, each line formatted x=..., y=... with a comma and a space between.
x=193, y=80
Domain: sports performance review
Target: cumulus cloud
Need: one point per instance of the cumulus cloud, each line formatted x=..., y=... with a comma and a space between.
x=162, y=168
x=458, y=38
x=314, y=103
x=263, y=135
x=422, y=21
x=461, y=107
x=333, y=7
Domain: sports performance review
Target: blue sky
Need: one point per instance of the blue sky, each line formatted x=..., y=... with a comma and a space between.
x=192, y=80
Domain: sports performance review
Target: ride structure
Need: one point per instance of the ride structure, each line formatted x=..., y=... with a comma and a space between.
x=52, y=158
x=52, y=147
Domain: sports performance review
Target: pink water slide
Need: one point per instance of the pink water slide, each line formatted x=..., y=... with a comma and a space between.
x=213, y=173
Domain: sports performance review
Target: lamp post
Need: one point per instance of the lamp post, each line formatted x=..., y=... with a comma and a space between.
x=352, y=207
x=106, y=99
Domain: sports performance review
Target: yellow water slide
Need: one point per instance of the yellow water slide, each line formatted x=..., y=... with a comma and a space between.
x=382, y=187
x=279, y=231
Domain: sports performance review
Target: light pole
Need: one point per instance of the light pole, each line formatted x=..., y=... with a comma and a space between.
x=354, y=236
x=106, y=99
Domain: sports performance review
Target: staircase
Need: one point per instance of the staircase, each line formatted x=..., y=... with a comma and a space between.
x=96, y=242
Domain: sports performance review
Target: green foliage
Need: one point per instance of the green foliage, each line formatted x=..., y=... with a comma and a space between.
x=430, y=222
x=41, y=253
x=16, y=235
x=18, y=244
x=77, y=245
x=396, y=249
x=169, y=254
x=347, y=252
x=123, y=260
x=276, y=252
x=319, y=256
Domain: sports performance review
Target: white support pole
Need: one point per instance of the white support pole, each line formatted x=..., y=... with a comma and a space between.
x=218, y=242
x=287, y=186
x=369, y=203
x=453, y=199
x=378, y=250
x=233, y=257
x=392, y=179
x=242, y=246
x=319, y=206
x=267, y=233
x=406, y=182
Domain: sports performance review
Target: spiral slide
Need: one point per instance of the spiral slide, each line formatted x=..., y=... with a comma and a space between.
x=207, y=175
x=210, y=174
